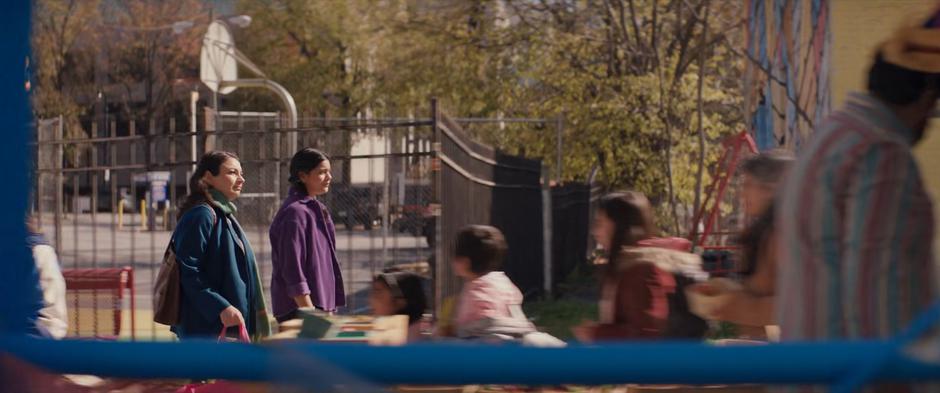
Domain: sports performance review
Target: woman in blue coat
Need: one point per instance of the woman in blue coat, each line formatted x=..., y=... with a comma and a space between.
x=218, y=273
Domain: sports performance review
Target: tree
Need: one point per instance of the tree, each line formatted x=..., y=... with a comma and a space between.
x=315, y=49
x=148, y=57
x=645, y=92
x=647, y=87
x=632, y=66
x=61, y=32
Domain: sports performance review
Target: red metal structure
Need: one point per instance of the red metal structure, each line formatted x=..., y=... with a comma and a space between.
x=737, y=147
x=113, y=281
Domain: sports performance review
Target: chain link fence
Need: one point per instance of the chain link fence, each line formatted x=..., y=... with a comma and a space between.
x=108, y=200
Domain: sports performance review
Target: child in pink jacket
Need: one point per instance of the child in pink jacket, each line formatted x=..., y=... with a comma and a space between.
x=490, y=305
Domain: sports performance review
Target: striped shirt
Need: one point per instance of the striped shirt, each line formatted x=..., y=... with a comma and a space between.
x=856, y=227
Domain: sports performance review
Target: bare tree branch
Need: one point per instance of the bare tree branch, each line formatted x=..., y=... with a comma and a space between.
x=800, y=111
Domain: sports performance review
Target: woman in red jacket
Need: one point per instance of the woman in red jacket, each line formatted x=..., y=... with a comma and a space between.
x=642, y=286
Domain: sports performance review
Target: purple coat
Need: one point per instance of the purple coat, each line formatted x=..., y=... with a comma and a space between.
x=303, y=253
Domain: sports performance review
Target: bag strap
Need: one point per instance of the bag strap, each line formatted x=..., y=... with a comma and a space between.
x=215, y=220
x=215, y=217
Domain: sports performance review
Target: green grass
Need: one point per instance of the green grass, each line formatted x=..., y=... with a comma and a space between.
x=576, y=302
x=557, y=317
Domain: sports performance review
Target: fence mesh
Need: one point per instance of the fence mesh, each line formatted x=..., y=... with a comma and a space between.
x=107, y=200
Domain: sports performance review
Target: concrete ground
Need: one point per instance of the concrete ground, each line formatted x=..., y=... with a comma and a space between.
x=98, y=242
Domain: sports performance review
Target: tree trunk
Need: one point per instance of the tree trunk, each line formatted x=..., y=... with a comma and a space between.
x=701, y=129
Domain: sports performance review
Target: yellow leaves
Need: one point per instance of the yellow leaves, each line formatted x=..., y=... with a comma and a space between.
x=617, y=103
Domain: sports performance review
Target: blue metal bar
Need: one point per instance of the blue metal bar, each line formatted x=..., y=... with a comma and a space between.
x=19, y=277
x=877, y=361
x=687, y=363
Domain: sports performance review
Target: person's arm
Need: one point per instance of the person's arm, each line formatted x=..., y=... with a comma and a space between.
x=303, y=301
x=191, y=241
x=754, y=304
x=53, y=290
x=445, y=323
x=290, y=243
x=642, y=298
x=886, y=246
x=878, y=200
x=745, y=308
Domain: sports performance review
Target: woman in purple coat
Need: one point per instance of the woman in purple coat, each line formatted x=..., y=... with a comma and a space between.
x=303, y=242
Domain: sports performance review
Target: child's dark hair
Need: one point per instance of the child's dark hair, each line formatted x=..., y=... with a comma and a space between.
x=484, y=245
x=768, y=168
x=407, y=286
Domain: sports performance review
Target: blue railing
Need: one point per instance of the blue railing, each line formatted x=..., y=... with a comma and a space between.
x=683, y=363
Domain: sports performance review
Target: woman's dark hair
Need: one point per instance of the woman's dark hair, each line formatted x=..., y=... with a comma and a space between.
x=898, y=85
x=633, y=220
x=754, y=239
x=409, y=287
x=302, y=162
x=483, y=245
x=210, y=162
x=767, y=167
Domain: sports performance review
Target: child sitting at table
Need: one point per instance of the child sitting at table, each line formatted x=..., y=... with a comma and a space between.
x=400, y=293
x=490, y=305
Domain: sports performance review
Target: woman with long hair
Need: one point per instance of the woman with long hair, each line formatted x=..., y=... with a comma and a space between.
x=303, y=242
x=219, y=278
x=751, y=306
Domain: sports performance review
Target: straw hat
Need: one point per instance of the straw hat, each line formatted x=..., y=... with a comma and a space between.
x=915, y=47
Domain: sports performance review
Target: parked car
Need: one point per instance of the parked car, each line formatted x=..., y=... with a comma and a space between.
x=355, y=205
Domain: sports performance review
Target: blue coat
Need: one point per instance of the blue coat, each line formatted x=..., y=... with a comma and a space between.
x=214, y=272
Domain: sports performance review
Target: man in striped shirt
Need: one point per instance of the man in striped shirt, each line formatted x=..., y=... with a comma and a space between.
x=855, y=222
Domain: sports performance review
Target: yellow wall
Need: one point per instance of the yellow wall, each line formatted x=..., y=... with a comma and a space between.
x=856, y=27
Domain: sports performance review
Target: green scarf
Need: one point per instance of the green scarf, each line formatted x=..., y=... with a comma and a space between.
x=262, y=322
x=220, y=201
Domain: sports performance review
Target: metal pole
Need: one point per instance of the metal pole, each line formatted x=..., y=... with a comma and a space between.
x=386, y=193
x=150, y=159
x=286, y=98
x=436, y=209
x=59, y=184
x=547, y=232
x=559, y=130
x=193, y=101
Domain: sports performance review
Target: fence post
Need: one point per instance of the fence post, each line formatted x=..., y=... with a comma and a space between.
x=436, y=208
x=386, y=192
x=547, y=231
x=59, y=184
x=559, y=130
x=150, y=156
x=193, y=102
x=36, y=185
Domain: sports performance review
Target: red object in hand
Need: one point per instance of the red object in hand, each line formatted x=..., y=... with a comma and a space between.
x=242, y=334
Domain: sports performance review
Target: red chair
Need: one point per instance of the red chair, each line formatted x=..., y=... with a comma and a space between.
x=81, y=283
